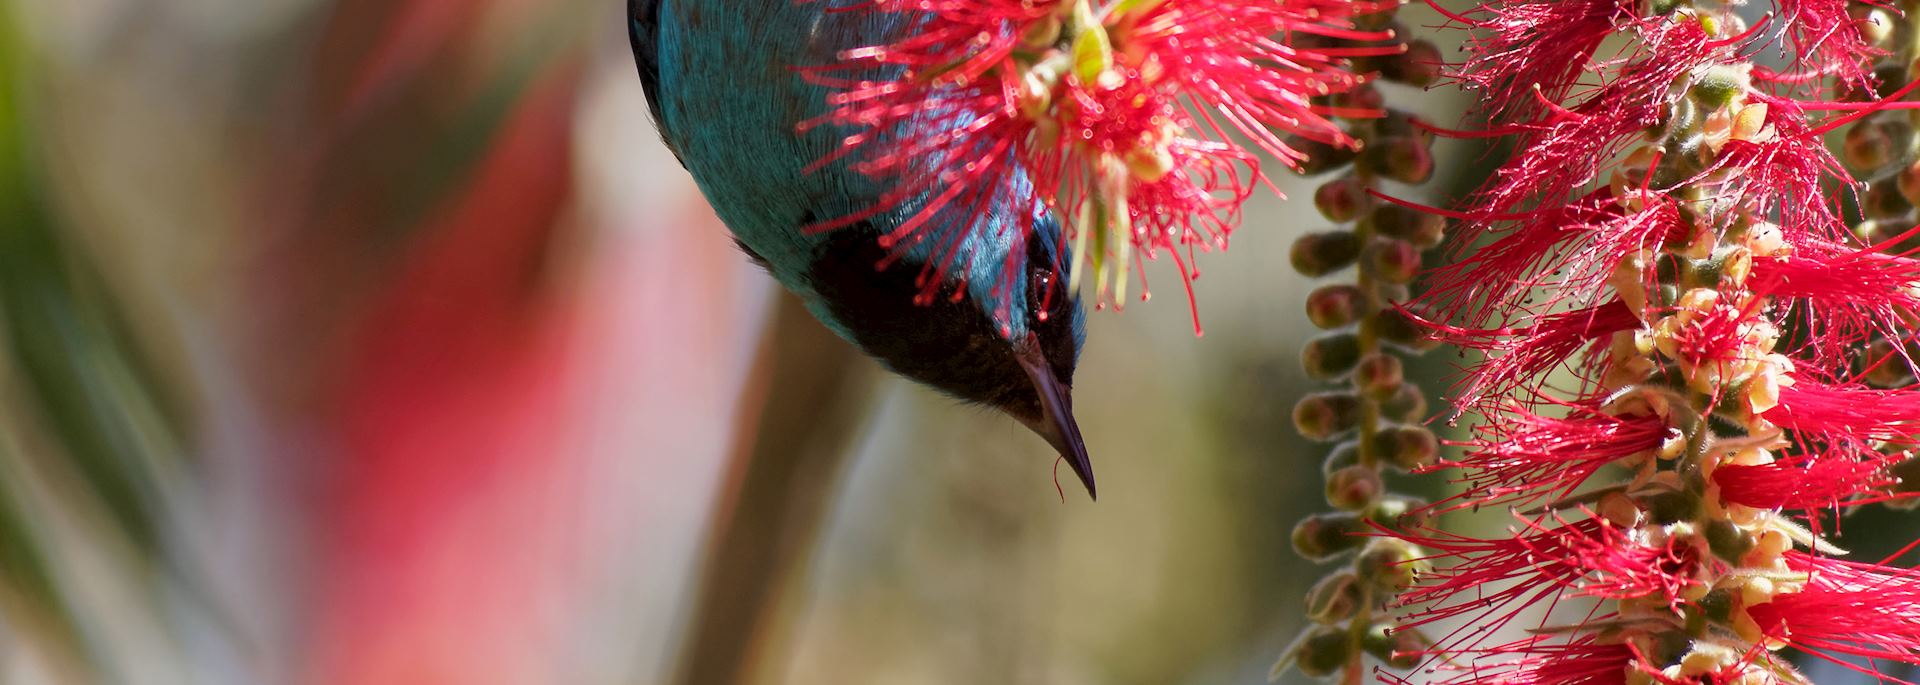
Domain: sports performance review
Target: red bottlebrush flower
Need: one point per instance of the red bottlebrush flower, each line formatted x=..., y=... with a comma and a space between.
x=1569, y=148
x=1521, y=458
x=1774, y=164
x=1809, y=482
x=1880, y=284
x=1519, y=46
x=1128, y=118
x=1492, y=580
x=1828, y=39
x=1845, y=608
x=1848, y=412
x=1585, y=241
x=1857, y=291
x=1665, y=230
x=1540, y=661
x=1711, y=337
x=1519, y=356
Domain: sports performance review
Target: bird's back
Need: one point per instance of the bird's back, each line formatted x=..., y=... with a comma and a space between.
x=724, y=80
x=728, y=100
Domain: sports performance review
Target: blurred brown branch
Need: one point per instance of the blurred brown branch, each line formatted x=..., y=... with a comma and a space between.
x=777, y=489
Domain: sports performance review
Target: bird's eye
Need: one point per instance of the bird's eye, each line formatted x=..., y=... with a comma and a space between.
x=1040, y=291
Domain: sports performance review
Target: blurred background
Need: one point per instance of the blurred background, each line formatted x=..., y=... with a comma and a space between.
x=380, y=341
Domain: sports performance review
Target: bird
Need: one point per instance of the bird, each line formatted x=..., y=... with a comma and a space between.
x=723, y=88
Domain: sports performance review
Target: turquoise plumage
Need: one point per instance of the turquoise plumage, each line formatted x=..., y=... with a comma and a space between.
x=723, y=83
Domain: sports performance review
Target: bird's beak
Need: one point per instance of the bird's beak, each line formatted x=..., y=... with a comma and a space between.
x=1056, y=415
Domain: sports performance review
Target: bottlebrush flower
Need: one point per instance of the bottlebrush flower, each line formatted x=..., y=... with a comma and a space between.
x=1826, y=35
x=1519, y=357
x=1520, y=458
x=1665, y=231
x=1809, y=482
x=1848, y=411
x=1540, y=661
x=1517, y=46
x=1836, y=608
x=1135, y=120
x=1491, y=580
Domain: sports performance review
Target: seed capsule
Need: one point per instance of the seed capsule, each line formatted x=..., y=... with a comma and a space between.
x=1342, y=199
x=1335, y=598
x=1408, y=404
x=1378, y=375
x=1393, y=261
x=1418, y=66
x=1354, y=487
x=1324, y=652
x=1422, y=229
x=1324, y=536
x=1407, y=448
x=1322, y=253
x=1334, y=306
x=1324, y=415
x=1330, y=356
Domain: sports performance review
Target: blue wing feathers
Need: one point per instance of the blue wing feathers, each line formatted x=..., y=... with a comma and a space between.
x=643, y=22
x=721, y=82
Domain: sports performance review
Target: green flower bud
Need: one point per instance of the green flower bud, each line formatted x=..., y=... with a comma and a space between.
x=1335, y=598
x=1334, y=306
x=1665, y=295
x=1717, y=85
x=1376, y=21
x=1378, y=376
x=1418, y=66
x=1400, y=124
x=1329, y=356
x=1420, y=228
x=1364, y=97
x=1324, y=536
x=1718, y=605
x=1884, y=201
x=1684, y=157
x=1671, y=507
x=1324, y=415
x=1867, y=146
x=1892, y=77
x=1393, y=261
x=1407, y=447
x=1729, y=542
x=1401, y=512
x=1322, y=253
x=1341, y=456
x=1408, y=404
x=1404, y=159
x=1320, y=157
x=1885, y=368
x=1909, y=182
x=1323, y=652
x=1353, y=488
x=1394, y=326
x=1668, y=268
x=1398, y=648
x=1342, y=199
x=1390, y=564
x=1679, y=122
x=1728, y=265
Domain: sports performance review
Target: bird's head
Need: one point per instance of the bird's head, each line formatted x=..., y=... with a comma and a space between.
x=1001, y=329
